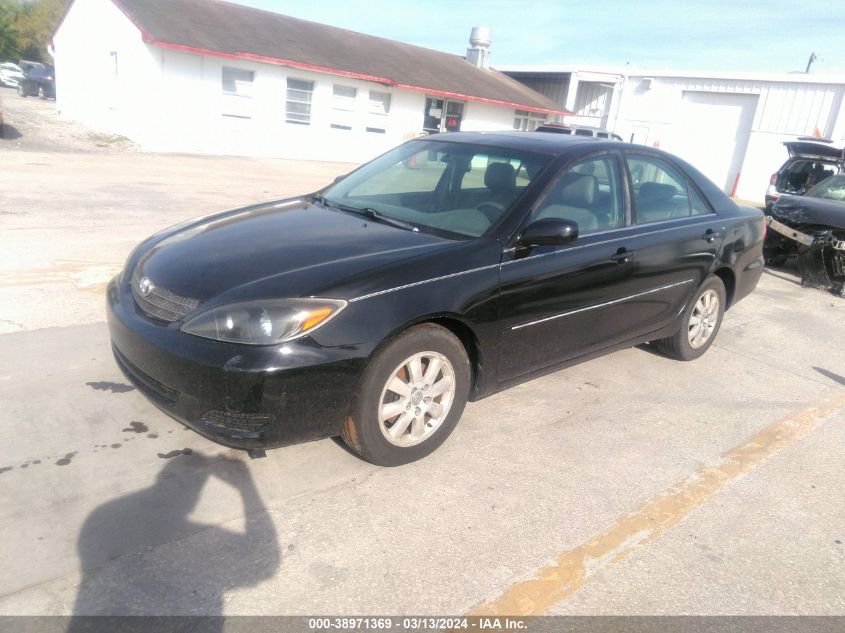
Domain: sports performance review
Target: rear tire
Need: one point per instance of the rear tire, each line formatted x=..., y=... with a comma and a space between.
x=41, y=93
x=410, y=397
x=700, y=323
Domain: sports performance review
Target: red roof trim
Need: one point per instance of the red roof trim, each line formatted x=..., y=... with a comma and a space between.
x=455, y=95
x=270, y=60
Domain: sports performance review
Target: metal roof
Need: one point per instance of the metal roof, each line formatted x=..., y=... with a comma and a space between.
x=634, y=71
x=224, y=29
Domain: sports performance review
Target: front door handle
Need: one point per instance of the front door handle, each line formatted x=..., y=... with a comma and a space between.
x=710, y=235
x=622, y=256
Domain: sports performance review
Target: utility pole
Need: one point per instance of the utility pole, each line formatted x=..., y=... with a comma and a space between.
x=813, y=57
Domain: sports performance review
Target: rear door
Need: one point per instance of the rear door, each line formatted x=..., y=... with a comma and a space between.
x=676, y=236
x=558, y=302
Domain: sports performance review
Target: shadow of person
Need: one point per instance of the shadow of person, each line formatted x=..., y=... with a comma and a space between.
x=142, y=555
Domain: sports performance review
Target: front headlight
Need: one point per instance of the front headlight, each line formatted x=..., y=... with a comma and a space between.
x=264, y=322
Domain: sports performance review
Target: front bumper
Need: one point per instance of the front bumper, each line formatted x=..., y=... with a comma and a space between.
x=238, y=395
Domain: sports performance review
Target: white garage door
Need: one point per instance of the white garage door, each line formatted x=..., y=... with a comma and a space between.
x=711, y=131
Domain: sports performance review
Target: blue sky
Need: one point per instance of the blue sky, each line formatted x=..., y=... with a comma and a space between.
x=729, y=35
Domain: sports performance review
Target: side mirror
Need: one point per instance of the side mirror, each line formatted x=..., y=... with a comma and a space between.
x=549, y=232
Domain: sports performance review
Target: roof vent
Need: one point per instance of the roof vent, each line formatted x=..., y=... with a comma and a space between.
x=479, y=51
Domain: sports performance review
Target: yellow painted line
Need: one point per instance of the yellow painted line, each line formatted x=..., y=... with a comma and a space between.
x=572, y=569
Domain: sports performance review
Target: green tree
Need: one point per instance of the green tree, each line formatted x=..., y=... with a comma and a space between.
x=9, y=44
x=35, y=25
x=26, y=27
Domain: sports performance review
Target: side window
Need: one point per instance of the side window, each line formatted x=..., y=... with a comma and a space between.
x=298, y=103
x=697, y=204
x=589, y=193
x=660, y=192
x=236, y=84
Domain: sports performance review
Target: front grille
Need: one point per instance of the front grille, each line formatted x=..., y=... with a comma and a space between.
x=251, y=422
x=160, y=303
x=154, y=389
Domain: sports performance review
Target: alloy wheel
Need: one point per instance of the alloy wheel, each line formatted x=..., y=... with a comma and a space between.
x=416, y=399
x=704, y=317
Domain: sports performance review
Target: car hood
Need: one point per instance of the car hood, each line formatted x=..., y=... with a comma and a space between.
x=802, y=210
x=282, y=249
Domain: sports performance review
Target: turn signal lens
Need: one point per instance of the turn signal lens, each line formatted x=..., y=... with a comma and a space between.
x=315, y=317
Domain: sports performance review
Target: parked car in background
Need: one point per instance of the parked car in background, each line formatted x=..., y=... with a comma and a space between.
x=578, y=130
x=10, y=75
x=40, y=81
x=812, y=228
x=447, y=269
x=810, y=161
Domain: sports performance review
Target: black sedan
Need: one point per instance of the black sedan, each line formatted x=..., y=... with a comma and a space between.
x=40, y=81
x=443, y=271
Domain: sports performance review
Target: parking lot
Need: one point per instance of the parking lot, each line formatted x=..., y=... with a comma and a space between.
x=630, y=484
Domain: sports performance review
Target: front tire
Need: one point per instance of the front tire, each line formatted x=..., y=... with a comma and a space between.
x=21, y=91
x=410, y=398
x=700, y=322
x=41, y=93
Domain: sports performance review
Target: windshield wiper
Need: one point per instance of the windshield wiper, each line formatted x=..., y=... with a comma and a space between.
x=373, y=214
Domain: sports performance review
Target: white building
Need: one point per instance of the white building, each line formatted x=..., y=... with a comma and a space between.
x=729, y=125
x=215, y=77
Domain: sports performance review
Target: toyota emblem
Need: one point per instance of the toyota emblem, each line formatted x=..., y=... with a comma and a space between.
x=145, y=287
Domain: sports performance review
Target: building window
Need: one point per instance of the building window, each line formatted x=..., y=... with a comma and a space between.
x=298, y=105
x=527, y=121
x=343, y=107
x=237, y=92
x=378, y=110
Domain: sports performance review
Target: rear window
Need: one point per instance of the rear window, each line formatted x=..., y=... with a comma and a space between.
x=801, y=175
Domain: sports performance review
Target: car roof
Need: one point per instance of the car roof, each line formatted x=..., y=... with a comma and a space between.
x=540, y=142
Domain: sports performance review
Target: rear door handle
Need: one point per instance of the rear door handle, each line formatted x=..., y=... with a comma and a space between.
x=710, y=235
x=622, y=256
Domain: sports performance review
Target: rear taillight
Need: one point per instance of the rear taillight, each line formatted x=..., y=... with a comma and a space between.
x=773, y=180
x=765, y=228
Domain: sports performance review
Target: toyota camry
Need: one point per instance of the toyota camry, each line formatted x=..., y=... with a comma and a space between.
x=448, y=269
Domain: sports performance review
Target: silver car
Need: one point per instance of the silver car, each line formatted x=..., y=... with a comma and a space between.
x=10, y=75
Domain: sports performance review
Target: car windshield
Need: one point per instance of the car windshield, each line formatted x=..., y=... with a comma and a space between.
x=441, y=187
x=832, y=188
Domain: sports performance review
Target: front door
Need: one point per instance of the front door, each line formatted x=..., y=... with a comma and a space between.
x=442, y=115
x=564, y=301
